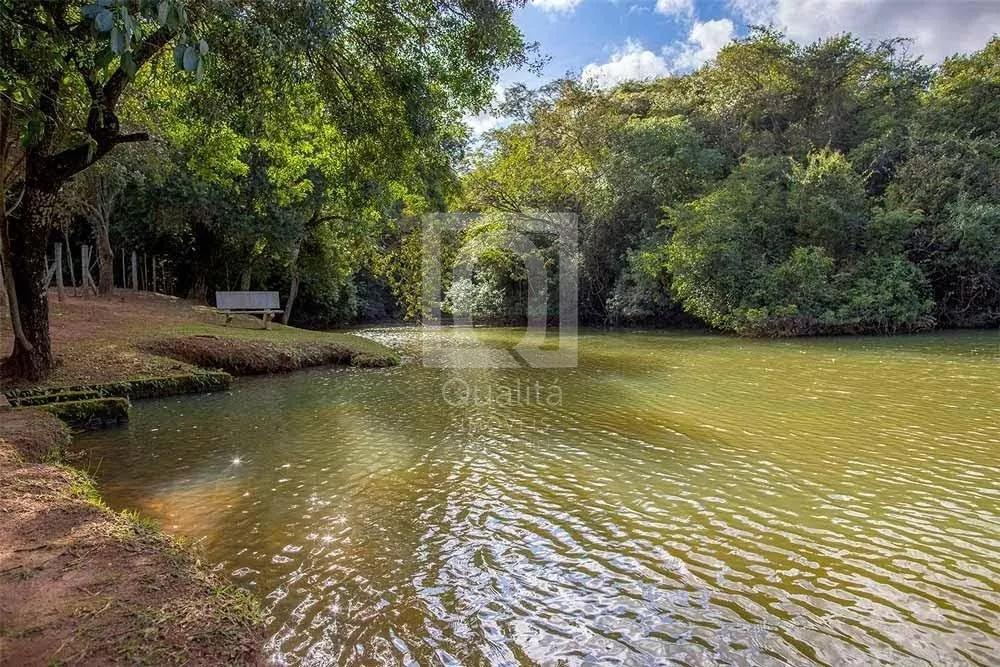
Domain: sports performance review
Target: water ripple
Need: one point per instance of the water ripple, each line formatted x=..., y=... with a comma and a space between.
x=689, y=500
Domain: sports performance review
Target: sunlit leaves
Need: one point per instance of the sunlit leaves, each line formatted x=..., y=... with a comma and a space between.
x=124, y=25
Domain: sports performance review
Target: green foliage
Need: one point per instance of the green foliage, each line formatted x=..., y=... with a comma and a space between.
x=783, y=189
x=291, y=131
x=725, y=245
x=965, y=95
x=640, y=296
x=790, y=250
x=482, y=298
x=827, y=198
x=835, y=187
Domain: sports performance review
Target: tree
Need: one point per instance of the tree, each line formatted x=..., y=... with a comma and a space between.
x=375, y=65
x=65, y=69
x=96, y=193
x=610, y=158
x=794, y=177
x=784, y=248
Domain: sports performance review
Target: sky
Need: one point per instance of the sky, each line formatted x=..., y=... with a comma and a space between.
x=610, y=41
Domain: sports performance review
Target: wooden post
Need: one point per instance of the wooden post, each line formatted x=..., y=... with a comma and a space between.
x=85, y=277
x=72, y=271
x=59, y=271
x=92, y=264
x=83, y=269
x=154, y=274
x=50, y=271
x=84, y=252
x=135, y=272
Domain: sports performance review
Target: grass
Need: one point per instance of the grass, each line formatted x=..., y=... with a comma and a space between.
x=129, y=337
x=80, y=485
x=278, y=333
x=285, y=350
x=117, y=589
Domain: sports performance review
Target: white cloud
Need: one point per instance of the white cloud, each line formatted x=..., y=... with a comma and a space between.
x=755, y=12
x=484, y=122
x=556, y=6
x=675, y=7
x=939, y=28
x=703, y=43
x=630, y=63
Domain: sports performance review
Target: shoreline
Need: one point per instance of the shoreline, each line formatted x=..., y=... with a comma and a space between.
x=81, y=583
x=139, y=346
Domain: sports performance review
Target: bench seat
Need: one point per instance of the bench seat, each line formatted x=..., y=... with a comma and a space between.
x=248, y=303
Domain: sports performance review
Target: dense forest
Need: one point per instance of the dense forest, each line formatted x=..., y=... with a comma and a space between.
x=782, y=189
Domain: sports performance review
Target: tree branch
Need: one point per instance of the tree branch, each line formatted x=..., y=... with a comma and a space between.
x=130, y=138
x=150, y=46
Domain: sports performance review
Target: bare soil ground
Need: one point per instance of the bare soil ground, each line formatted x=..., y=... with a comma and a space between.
x=133, y=335
x=82, y=585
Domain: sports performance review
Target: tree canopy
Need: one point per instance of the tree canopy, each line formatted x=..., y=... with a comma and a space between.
x=782, y=189
x=278, y=117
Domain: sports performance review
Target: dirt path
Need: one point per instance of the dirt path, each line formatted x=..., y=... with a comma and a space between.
x=82, y=585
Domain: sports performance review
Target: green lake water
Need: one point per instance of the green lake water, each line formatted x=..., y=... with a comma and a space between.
x=675, y=498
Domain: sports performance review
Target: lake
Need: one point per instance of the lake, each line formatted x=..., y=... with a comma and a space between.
x=674, y=498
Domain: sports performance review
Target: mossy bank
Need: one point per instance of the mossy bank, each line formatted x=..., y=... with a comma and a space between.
x=150, y=346
x=81, y=584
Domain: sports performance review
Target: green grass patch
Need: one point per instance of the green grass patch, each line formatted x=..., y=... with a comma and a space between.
x=91, y=413
x=280, y=334
x=282, y=351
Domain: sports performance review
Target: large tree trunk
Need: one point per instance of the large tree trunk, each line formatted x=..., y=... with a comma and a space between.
x=28, y=233
x=27, y=226
x=294, y=290
x=105, y=259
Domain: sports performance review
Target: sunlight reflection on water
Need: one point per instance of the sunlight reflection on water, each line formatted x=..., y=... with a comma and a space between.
x=689, y=498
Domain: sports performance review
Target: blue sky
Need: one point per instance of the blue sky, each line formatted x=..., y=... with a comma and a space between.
x=594, y=30
x=608, y=41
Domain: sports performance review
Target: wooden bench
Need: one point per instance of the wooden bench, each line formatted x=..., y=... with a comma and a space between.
x=248, y=303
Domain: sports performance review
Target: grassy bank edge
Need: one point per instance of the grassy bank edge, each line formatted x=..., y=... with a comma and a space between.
x=34, y=440
x=209, y=361
x=69, y=516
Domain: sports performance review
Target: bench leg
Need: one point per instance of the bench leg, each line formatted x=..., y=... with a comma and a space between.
x=229, y=318
x=267, y=320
